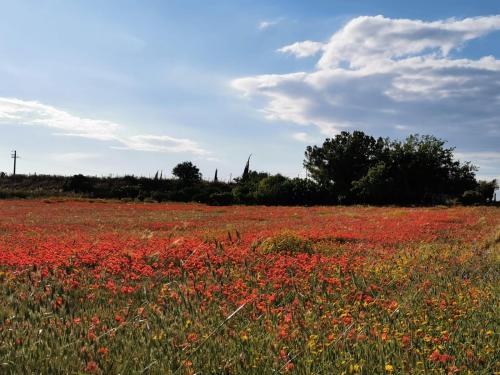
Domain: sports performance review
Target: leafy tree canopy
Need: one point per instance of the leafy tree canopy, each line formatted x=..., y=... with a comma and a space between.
x=359, y=168
x=187, y=173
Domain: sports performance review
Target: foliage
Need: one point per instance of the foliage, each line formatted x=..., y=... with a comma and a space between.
x=342, y=160
x=221, y=199
x=487, y=189
x=78, y=184
x=187, y=173
x=471, y=197
x=483, y=193
x=359, y=168
x=246, y=170
x=273, y=190
x=244, y=191
x=350, y=168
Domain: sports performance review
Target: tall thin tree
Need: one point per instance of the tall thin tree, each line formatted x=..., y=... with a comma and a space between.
x=246, y=171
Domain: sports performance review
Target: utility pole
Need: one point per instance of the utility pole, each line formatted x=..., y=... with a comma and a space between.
x=14, y=156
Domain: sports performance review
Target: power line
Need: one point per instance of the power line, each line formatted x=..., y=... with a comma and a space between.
x=14, y=156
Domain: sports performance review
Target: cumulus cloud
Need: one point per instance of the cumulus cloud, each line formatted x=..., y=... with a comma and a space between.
x=32, y=113
x=302, y=49
x=365, y=39
x=380, y=75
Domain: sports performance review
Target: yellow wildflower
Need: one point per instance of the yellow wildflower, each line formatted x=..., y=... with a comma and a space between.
x=354, y=368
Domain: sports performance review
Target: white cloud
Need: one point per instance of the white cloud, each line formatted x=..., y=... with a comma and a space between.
x=367, y=39
x=16, y=111
x=162, y=143
x=302, y=49
x=32, y=113
x=379, y=74
x=265, y=24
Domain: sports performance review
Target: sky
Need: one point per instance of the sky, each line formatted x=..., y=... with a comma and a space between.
x=131, y=87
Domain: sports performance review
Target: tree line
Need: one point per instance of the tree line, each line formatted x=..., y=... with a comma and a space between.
x=350, y=168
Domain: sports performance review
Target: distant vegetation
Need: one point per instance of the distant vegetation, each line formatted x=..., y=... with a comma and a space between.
x=349, y=168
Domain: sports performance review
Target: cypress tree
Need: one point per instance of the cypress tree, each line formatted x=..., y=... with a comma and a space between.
x=246, y=171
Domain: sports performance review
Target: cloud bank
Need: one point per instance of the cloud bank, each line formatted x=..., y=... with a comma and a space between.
x=380, y=75
x=31, y=113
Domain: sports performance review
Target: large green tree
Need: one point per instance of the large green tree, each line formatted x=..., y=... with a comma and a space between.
x=343, y=159
x=359, y=168
x=187, y=173
x=424, y=170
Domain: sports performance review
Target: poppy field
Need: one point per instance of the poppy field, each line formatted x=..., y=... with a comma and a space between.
x=133, y=288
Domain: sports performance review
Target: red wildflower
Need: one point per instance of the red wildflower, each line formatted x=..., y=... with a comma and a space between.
x=405, y=340
x=91, y=367
x=103, y=351
x=192, y=337
x=437, y=357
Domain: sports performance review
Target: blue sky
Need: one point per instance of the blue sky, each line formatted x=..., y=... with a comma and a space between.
x=127, y=86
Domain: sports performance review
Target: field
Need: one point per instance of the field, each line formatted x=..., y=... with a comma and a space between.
x=132, y=288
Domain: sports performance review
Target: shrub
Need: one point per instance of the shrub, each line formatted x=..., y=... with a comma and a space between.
x=178, y=196
x=273, y=190
x=284, y=243
x=78, y=184
x=201, y=196
x=472, y=197
x=160, y=196
x=487, y=190
x=221, y=199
